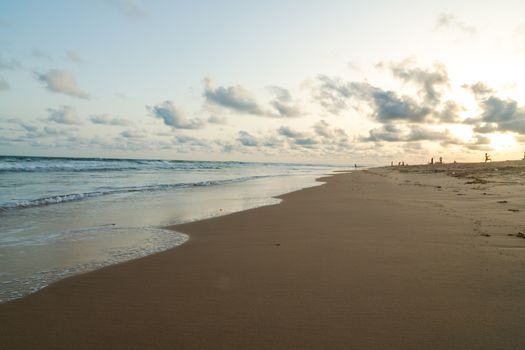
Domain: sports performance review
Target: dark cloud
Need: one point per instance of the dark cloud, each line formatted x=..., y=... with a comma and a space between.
x=450, y=21
x=172, y=116
x=63, y=115
x=505, y=115
x=389, y=106
x=104, y=119
x=62, y=82
x=497, y=114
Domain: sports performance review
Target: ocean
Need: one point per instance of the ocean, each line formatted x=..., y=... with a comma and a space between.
x=64, y=216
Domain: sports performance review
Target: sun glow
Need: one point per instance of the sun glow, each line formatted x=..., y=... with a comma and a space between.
x=502, y=142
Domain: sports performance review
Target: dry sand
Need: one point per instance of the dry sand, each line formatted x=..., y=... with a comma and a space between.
x=391, y=258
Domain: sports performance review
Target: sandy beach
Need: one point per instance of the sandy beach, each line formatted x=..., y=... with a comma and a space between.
x=419, y=257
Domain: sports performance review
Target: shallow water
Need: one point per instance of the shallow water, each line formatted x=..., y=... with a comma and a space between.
x=47, y=241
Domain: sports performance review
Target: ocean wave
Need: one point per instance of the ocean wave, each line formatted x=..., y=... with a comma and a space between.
x=33, y=164
x=71, y=197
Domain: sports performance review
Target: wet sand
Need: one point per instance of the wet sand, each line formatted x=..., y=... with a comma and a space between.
x=388, y=258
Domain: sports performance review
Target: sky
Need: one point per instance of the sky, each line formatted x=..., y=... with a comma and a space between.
x=334, y=81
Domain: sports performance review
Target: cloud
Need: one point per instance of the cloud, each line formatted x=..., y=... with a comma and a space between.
x=63, y=115
x=132, y=134
x=29, y=127
x=131, y=8
x=389, y=106
x=50, y=131
x=333, y=94
x=41, y=55
x=413, y=133
x=497, y=114
x=388, y=132
x=239, y=100
x=449, y=112
x=479, y=89
x=283, y=103
x=321, y=138
x=234, y=98
x=430, y=81
x=9, y=63
x=502, y=115
x=337, y=96
x=289, y=132
x=213, y=119
x=247, y=139
x=298, y=138
x=193, y=143
x=104, y=119
x=4, y=85
x=450, y=21
x=172, y=116
x=62, y=82
x=73, y=56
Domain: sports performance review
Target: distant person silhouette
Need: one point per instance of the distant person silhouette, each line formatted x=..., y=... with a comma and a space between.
x=487, y=158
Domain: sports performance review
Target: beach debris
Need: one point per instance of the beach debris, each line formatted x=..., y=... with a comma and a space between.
x=502, y=202
x=513, y=210
x=476, y=180
x=485, y=234
x=277, y=244
x=519, y=235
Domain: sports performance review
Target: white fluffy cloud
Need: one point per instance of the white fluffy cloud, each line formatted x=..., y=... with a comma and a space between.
x=63, y=82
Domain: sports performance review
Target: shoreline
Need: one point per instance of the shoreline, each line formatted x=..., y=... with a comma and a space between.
x=119, y=230
x=370, y=259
